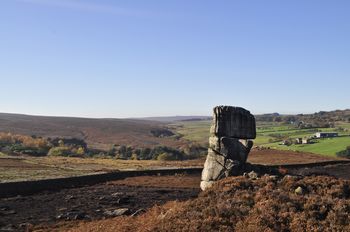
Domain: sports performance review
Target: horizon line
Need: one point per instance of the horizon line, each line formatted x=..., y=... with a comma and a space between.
x=159, y=116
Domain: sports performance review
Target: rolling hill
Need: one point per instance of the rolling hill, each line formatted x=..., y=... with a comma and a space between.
x=98, y=133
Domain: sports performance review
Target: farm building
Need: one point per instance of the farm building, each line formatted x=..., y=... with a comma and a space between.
x=326, y=134
x=298, y=141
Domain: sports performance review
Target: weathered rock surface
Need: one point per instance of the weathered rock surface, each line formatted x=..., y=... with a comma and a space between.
x=228, y=145
x=234, y=122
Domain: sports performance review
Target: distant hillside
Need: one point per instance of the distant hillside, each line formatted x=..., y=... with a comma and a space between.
x=145, y=132
x=98, y=133
x=316, y=119
x=331, y=116
x=177, y=118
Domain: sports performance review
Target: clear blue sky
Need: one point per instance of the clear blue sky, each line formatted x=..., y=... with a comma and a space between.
x=106, y=58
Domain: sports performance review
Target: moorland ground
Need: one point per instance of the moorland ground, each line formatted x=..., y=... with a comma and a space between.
x=59, y=210
x=35, y=168
x=64, y=209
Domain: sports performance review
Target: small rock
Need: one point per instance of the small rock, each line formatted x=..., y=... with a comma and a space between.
x=116, y=212
x=117, y=194
x=69, y=197
x=72, y=215
x=299, y=190
x=139, y=211
x=273, y=177
x=26, y=226
x=253, y=175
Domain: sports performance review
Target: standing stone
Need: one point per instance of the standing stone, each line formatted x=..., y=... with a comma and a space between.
x=229, y=143
x=234, y=122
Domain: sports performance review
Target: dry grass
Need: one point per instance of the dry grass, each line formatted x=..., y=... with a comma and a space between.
x=33, y=168
x=240, y=204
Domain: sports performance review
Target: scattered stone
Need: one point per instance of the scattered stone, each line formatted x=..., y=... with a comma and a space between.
x=116, y=212
x=273, y=177
x=69, y=197
x=117, y=194
x=138, y=212
x=72, y=215
x=253, y=175
x=299, y=190
x=26, y=226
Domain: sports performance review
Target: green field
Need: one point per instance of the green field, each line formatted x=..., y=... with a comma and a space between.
x=198, y=131
x=327, y=146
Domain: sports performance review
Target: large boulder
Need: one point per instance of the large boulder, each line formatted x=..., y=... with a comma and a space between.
x=235, y=122
x=229, y=143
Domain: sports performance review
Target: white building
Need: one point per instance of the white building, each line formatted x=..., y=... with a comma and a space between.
x=326, y=134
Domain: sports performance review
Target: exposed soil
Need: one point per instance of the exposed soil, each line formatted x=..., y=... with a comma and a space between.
x=335, y=170
x=94, y=202
x=176, y=181
x=278, y=157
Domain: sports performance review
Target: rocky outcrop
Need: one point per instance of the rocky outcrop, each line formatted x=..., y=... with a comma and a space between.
x=229, y=143
x=234, y=122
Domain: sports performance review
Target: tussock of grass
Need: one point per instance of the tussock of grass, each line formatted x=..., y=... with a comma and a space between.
x=240, y=204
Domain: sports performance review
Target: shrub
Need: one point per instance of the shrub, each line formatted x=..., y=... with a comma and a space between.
x=166, y=156
x=64, y=151
x=345, y=153
x=171, y=152
x=160, y=133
